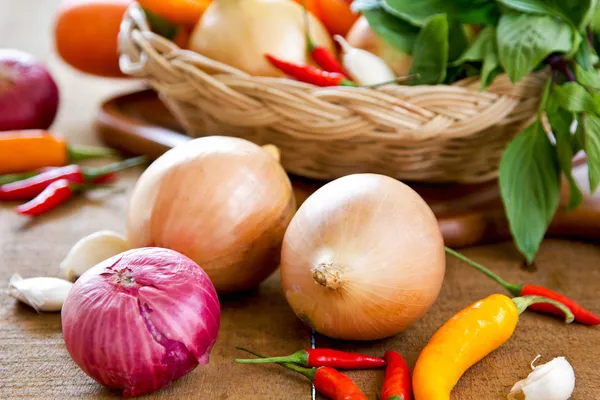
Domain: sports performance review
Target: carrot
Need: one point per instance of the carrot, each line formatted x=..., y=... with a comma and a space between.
x=85, y=35
x=183, y=12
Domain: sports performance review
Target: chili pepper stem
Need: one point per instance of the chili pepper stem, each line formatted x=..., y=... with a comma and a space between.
x=395, y=398
x=309, y=42
x=10, y=178
x=81, y=153
x=299, y=357
x=94, y=173
x=525, y=301
x=514, y=289
x=307, y=372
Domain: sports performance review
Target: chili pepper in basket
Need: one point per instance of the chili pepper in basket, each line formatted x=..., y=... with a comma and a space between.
x=22, y=151
x=323, y=358
x=582, y=315
x=465, y=339
x=320, y=54
x=309, y=74
x=29, y=188
x=397, y=384
x=330, y=383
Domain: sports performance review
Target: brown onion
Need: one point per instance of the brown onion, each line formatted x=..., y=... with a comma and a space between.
x=363, y=258
x=223, y=202
x=362, y=37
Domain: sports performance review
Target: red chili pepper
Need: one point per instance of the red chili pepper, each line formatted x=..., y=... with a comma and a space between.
x=27, y=189
x=582, y=315
x=309, y=74
x=330, y=383
x=324, y=358
x=52, y=196
x=397, y=384
x=320, y=54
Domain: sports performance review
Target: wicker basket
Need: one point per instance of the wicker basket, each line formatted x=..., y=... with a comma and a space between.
x=420, y=133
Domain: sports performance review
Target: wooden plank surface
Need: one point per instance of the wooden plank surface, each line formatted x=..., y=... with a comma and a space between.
x=34, y=362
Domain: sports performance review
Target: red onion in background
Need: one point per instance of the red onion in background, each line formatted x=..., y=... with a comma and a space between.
x=141, y=319
x=28, y=94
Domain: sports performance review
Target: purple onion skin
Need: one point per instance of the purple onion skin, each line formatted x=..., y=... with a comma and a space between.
x=141, y=319
x=29, y=96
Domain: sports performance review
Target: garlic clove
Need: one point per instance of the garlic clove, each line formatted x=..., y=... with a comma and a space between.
x=554, y=380
x=91, y=250
x=364, y=67
x=42, y=293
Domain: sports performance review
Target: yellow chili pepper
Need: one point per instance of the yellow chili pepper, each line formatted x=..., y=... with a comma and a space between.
x=465, y=339
x=22, y=151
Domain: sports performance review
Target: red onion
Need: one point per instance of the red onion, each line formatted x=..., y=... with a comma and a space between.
x=28, y=94
x=141, y=319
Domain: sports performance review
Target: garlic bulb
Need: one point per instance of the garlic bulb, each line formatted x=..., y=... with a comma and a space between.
x=554, y=380
x=92, y=250
x=43, y=294
x=364, y=67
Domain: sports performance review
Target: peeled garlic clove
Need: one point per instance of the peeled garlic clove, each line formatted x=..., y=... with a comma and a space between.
x=365, y=68
x=43, y=294
x=92, y=250
x=554, y=380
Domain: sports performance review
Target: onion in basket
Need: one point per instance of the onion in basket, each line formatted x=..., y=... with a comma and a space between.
x=239, y=33
x=363, y=258
x=362, y=37
x=224, y=202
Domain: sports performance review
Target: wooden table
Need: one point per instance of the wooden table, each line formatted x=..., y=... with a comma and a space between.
x=35, y=364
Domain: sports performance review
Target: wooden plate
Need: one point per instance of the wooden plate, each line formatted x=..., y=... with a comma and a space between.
x=138, y=123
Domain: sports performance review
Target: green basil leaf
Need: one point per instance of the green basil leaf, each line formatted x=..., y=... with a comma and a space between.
x=595, y=20
x=395, y=32
x=416, y=12
x=457, y=40
x=576, y=12
x=525, y=40
x=592, y=149
x=477, y=51
x=561, y=121
x=575, y=98
x=584, y=57
x=590, y=79
x=430, y=55
x=485, y=13
x=491, y=65
x=578, y=139
x=530, y=187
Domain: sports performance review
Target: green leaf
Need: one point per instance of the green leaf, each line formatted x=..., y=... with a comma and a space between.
x=430, y=55
x=485, y=13
x=524, y=41
x=491, y=66
x=595, y=20
x=416, y=12
x=575, y=98
x=561, y=121
x=395, y=32
x=457, y=40
x=578, y=139
x=576, y=12
x=477, y=51
x=160, y=25
x=590, y=79
x=584, y=56
x=530, y=187
x=592, y=149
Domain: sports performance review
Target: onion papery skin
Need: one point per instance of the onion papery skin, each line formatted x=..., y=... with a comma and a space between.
x=29, y=96
x=141, y=319
x=222, y=201
x=363, y=258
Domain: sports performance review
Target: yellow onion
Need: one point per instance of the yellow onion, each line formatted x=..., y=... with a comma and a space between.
x=363, y=258
x=362, y=37
x=240, y=32
x=223, y=202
